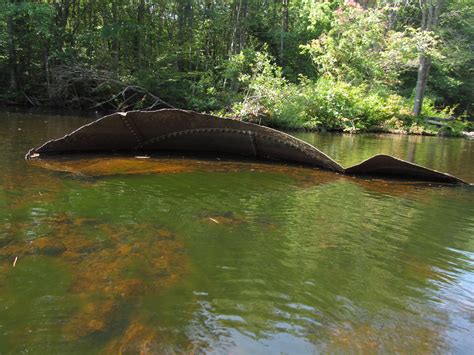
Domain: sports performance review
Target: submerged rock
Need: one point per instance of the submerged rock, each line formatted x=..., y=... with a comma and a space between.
x=48, y=246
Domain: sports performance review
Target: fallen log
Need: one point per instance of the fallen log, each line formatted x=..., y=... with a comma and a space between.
x=188, y=132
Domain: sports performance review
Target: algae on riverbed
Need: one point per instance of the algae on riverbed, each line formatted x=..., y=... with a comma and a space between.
x=301, y=260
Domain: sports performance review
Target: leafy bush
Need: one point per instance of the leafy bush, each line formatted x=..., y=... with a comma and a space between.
x=326, y=103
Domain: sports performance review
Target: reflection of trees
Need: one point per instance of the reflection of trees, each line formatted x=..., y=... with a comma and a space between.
x=339, y=252
x=25, y=189
x=433, y=152
x=385, y=255
x=331, y=262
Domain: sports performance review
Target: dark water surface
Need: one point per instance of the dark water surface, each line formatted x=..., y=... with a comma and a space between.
x=196, y=256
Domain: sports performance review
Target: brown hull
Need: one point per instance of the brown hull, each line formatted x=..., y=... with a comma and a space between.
x=190, y=132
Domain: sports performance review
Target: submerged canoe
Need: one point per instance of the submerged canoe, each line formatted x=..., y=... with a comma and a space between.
x=188, y=132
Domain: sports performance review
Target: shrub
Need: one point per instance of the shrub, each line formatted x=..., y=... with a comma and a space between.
x=327, y=103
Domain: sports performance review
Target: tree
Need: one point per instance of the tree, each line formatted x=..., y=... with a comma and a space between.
x=430, y=12
x=451, y=76
x=11, y=53
x=359, y=46
x=191, y=53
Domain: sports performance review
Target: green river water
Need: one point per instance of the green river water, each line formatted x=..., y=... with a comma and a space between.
x=229, y=257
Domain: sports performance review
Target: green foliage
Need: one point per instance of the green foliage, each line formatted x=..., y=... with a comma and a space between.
x=37, y=22
x=359, y=48
x=451, y=79
x=333, y=64
x=325, y=103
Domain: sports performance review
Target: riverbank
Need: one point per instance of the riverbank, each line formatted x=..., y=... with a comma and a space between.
x=410, y=131
x=331, y=105
x=450, y=128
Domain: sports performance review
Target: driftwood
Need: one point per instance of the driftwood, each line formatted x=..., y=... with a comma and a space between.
x=88, y=87
x=172, y=130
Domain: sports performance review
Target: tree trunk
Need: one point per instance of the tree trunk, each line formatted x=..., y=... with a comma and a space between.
x=284, y=28
x=243, y=29
x=429, y=20
x=115, y=39
x=421, y=81
x=46, y=69
x=11, y=54
x=62, y=15
x=184, y=13
x=138, y=43
x=236, y=30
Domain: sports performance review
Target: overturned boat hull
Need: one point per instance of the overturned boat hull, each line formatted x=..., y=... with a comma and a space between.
x=172, y=130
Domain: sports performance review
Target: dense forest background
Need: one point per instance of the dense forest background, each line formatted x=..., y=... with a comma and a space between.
x=315, y=64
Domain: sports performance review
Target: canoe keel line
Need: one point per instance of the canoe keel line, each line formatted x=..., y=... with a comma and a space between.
x=172, y=130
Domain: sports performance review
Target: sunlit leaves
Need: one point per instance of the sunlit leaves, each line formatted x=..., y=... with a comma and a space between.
x=360, y=46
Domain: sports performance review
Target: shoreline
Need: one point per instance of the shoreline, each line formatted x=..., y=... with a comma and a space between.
x=436, y=132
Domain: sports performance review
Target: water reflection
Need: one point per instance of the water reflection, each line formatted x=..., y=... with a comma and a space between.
x=195, y=256
x=453, y=155
x=343, y=264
